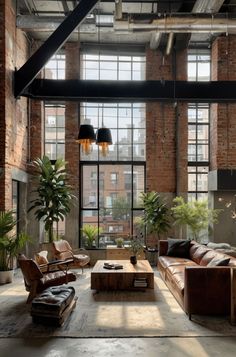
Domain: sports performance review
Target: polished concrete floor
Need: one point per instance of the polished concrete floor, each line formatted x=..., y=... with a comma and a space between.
x=122, y=347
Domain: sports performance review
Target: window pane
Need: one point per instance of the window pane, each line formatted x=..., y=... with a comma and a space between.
x=89, y=218
x=138, y=228
x=204, y=71
x=192, y=71
x=90, y=177
x=138, y=185
x=202, y=182
x=192, y=182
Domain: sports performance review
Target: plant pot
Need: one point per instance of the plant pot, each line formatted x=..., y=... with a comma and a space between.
x=6, y=276
x=133, y=259
x=119, y=246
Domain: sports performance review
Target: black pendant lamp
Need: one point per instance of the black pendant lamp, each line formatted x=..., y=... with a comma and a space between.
x=86, y=137
x=103, y=139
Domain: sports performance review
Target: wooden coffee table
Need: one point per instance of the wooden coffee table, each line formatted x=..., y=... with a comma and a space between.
x=139, y=276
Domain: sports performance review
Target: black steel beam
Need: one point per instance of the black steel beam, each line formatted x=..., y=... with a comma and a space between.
x=25, y=75
x=84, y=90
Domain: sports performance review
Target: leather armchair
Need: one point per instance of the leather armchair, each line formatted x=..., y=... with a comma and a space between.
x=63, y=251
x=36, y=281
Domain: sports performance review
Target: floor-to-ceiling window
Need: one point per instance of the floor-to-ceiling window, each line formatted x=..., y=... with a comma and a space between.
x=111, y=185
x=198, y=128
x=54, y=123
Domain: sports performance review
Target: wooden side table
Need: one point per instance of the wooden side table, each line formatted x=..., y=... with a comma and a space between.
x=233, y=296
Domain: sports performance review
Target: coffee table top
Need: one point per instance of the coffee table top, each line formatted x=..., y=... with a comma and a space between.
x=142, y=266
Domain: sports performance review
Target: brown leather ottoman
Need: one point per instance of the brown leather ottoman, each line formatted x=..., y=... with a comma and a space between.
x=53, y=305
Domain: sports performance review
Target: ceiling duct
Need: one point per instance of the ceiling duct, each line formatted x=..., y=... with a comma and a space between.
x=181, y=24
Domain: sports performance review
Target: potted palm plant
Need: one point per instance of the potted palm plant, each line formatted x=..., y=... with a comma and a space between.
x=53, y=195
x=156, y=213
x=90, y=234
x=10, y=245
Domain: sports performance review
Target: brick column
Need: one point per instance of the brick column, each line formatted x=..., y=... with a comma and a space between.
x=166, y=130
x=71, y=147
x=13, y=113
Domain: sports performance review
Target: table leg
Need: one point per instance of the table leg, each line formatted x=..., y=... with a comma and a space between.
x=233, y=296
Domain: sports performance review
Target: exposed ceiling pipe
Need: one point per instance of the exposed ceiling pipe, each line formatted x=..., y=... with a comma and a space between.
x=181, y=24
x=169, y=43
x=206, y=6
x=118, y=9
x=155, y=40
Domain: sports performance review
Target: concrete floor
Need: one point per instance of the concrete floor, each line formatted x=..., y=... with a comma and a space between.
x=112, y=347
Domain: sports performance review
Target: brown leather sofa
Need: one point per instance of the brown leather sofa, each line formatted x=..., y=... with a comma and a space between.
x=198, y=288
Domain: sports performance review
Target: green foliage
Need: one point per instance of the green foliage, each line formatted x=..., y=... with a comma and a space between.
x=136, y=245
x=119, y=242
x=53, y=193
x=120, y=208
x=156, y=213
x=10, y=245
x=194, y=214
x=90, y=233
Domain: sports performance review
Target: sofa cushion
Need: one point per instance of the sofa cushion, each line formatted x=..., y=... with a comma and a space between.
x=218, y=245
x=170, y=261
x=178, y=248
x=197, y=254
x=218, y=262
x=210, y=255
x=176, y=280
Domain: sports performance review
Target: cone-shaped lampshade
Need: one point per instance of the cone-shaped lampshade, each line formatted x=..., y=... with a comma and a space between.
x=104, y=139
x=86, y=137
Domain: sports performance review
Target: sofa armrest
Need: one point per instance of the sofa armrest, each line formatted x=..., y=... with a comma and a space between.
x=162, y=247
x=207, y=290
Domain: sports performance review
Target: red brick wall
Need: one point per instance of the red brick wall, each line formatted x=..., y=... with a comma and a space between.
x=162, y=126
x=13, y=116
x=2, y=105
x=72, y=118
x=223, y=116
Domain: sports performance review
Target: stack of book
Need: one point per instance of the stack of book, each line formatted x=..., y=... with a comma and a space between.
x=140, y=282
x=112, y=266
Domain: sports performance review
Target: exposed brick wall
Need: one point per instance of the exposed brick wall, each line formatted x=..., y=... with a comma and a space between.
x=2, y=105
x=72, y=118
x=36, y=130
x=161, y=126
x=71, y=147
x=166, y=133
x=223, y=116
x=13, y=113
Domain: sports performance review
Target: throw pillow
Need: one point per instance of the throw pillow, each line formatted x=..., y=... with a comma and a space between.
x=178, y=248
x=218, y=245
x=218, y=262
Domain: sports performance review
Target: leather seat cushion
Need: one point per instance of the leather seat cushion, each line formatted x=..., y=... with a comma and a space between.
x=53, y=301
x=176, y=280
x=81, y=258
x=166, y=261
x=197, y=254
x=55, y=278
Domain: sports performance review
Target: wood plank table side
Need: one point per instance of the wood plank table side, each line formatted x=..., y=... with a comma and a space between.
x=233, y=296
x=121, y=279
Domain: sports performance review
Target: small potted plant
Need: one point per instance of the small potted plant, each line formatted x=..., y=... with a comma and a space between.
x=119, y=242
x=10, y=245
x=135, y=246
x=90, y=234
